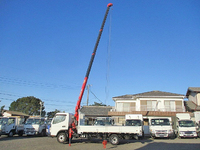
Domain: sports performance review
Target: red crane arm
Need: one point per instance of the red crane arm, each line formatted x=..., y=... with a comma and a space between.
x=90, y=64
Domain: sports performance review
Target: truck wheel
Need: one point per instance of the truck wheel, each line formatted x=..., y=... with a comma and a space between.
x=61, y=138
x=11, y=134
x=20, y=133
x=43, y=133
x=114, y=139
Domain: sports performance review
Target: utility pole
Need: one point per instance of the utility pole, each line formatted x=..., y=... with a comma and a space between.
x=88, y=88
x=41, y=104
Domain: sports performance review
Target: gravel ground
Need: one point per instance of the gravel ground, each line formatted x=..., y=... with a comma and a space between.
x=48, y=143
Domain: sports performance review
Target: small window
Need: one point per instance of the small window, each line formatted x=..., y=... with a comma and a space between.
x=58, y=119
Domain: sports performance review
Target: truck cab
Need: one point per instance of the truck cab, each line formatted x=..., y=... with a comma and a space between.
x=60, y=126
x=35, y=126
x=185, y=126
x=135, y=120
x=161, y=127
x=11, y=126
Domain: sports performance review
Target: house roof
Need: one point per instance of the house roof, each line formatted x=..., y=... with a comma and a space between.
x=191, y=106
x=16, y=113
x=95, y=110
x=192, y=89
x=150, y=94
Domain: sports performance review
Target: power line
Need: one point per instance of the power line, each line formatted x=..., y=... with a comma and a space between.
x=20, y=82
x=96, y=96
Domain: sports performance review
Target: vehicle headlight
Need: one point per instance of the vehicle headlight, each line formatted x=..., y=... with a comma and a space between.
x=182, y=132
x=194, y=132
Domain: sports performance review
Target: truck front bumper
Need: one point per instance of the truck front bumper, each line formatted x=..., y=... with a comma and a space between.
x=188, y=134
x=31, y=133
x=162, y=134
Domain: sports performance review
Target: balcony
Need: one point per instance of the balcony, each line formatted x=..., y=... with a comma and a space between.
x=147, y=111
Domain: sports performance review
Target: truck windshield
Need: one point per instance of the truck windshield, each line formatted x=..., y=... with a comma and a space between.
x=59, y=118
x=186, y=123
x=160, y=122
x=33, y=121
x=133, y=123
x=3, y=121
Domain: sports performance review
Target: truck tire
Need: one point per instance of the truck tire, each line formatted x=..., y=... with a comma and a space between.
x=114, y=139
x=20, y=133
x=61, y=138
x=11, y=133
x=43, y=133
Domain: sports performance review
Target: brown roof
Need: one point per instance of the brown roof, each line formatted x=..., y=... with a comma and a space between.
x=192, y=89
x=16, y=113
x=151, y=94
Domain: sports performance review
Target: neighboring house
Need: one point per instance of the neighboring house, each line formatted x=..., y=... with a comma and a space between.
x=193, y=103
x=8, y=113
x=153, y=103
x=91, y=112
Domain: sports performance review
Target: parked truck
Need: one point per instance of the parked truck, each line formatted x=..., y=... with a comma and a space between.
x=197, y=120
x=136, y=121
x=65, y=125
x=61, y=124
x=35, y=126
x=185, y=127
x=11, y=126
x=161, y=127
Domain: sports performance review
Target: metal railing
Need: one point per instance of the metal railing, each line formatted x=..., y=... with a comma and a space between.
x=150, y=108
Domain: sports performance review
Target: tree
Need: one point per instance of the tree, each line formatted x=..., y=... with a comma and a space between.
x=98, y=104
x=52, y=113
x=1, y=110
x=28, y=105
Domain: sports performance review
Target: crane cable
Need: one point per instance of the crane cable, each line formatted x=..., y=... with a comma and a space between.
x=108, y=58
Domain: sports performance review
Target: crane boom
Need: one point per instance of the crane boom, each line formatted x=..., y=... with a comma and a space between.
x=90, y=64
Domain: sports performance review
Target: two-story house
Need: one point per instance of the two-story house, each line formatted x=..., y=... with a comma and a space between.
x=153, y=103
x=193, y=103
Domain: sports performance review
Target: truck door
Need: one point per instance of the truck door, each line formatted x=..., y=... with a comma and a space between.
x=10, y=125
x=59, y=123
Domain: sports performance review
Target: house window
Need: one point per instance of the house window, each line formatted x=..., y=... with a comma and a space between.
x=169, y=106
x=148, y=105
x=126, y=107
x=178, y=106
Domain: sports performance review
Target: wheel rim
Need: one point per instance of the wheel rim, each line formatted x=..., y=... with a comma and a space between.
x=114, y=140
x=61, y=138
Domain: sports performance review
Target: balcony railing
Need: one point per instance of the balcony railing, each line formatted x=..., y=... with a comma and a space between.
x=150, y=108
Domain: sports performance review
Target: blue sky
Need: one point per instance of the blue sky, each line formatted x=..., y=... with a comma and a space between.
x=45, y=48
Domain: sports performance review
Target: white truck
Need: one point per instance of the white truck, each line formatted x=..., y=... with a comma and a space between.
x=161, y=127
x=35, y=126
x=185, y=126
x=197, y=120
x=61, y=123
x=11, y=126
x=136, y=121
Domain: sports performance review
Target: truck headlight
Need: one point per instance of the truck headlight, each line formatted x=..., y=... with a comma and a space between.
x=194, y=132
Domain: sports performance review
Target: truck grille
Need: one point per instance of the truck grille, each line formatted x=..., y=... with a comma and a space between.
x=188, y=132
x=30, y=129
x=161, y=133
